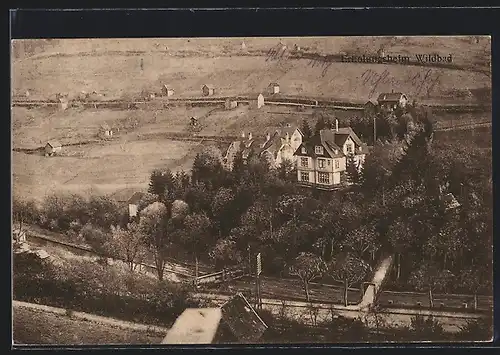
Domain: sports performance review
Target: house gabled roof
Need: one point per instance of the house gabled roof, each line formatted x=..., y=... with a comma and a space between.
x=242, y=320
x=274, y=84
x=136, y=197
x=54, y=143
x=331, y=140
x=209, y=86
x=390, y=96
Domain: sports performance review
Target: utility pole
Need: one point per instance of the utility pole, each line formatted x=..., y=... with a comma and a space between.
x=257, y=281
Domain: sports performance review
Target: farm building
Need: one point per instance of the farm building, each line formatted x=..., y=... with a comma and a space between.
x=391, y=101
x=105, y=130
x=52, y=147
x=274, y=88
x=133, y=204
x=260, y=101
x=167, y=91
x=230, y=104
x=63, y=103
x=208, y=90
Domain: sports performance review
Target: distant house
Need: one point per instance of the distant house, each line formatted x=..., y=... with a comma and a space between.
x=230, y=104
x=260, y=101
x=52, y=147
x=281, y=145
x=208, y=90
x=63, y=103
x=391, y=101
x=322, y=159
x=274, y=88
x=105, y=130
x=246, y=144
x=167, y=91
x=133, y=204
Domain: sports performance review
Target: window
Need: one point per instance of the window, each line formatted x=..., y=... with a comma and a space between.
x=304, y=176
x=329, y=162
x=337, y=165
x=323, y=178
x=349, y=148
x=303, y=150
x=318, y=149
x=304, y=162
x=321, y=163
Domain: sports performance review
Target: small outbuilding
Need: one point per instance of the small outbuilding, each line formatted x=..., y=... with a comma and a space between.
x=105, y=130
x=230, y=104
x=53, y=147
x=260, y=101
x=208, y=90
x=274, y=88
x=133, y=204
x=167, y=91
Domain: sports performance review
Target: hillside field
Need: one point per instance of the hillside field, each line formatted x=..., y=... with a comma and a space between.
x=36, y=327
x=113, y=68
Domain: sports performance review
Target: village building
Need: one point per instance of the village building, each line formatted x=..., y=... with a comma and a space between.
x=246, y=144
x=105, y=130
x=281, y=145
x=53, y=147
x=322, y=159
x=208, y=90
x=260, y=101
x=130, y=198
x=230, y=104
x=391, y=101
x=167, y=91
x=274, y=88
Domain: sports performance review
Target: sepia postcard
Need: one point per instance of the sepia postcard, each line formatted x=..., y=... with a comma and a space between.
x=257, y=190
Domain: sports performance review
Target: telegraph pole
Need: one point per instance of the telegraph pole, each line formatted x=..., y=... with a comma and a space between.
x=257, y=281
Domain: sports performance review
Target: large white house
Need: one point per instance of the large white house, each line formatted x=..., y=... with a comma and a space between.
x=321, y=160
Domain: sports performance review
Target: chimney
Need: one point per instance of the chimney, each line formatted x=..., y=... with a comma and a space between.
x=336, y=125
x=287, y=137
x=242, y=134
x=288, y=125
x=249, y=136
x=268, y=136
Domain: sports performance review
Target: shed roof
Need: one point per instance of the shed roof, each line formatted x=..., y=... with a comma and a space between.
x=54, y=143
x=209, y=86
x=274, y=84
x=195, y=326
x=242, y=320
x=136, y=197
x=105, y=126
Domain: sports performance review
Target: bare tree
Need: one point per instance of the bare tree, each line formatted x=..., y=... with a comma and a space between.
x=307, y=267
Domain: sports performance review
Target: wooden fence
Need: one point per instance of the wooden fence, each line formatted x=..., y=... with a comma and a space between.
x=221, y=276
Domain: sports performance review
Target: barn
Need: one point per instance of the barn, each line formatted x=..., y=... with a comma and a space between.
x=106, y=130
x=274, y=88
x=208, y=90
x=52, y=147
x=167, y=90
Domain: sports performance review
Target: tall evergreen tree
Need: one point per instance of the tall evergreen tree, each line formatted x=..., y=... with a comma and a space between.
x=160, y=180
x=306, y=130
x=353, y=173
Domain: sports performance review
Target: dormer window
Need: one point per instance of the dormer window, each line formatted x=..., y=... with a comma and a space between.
x=303, y=150
x=349, y=148
x=318, y=149
x=336, y=151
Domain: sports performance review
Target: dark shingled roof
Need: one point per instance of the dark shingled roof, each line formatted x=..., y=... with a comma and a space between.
x=242, y=320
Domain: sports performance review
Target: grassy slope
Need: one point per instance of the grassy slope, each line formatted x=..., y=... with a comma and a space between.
x=38, y=327
x=113, y=67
